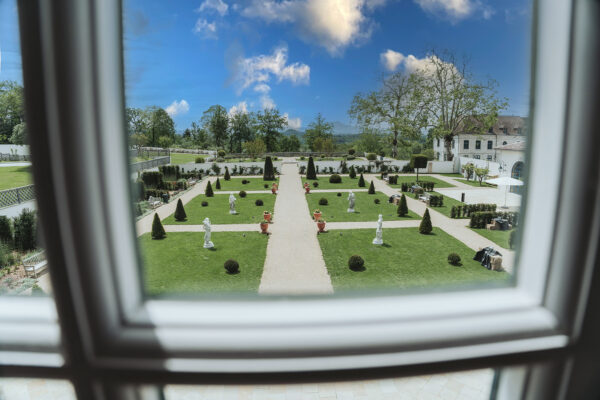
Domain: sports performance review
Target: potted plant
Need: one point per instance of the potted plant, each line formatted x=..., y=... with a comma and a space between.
x=317, y=214
x=306, y=187
x=321, y=225
x=267, y=216
x=264, y=225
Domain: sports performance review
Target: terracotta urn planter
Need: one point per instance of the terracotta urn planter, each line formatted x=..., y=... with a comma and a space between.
x=317, y=215
x=264, y=226
x=321, y=225
x=307, y=189
x=267, y=216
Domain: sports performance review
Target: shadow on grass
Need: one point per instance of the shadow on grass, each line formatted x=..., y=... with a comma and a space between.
x=361, y=269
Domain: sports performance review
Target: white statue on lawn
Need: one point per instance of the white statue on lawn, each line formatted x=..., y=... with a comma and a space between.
x=379, y=232
x=207, y=243
x=351, y=199
x=232, y=204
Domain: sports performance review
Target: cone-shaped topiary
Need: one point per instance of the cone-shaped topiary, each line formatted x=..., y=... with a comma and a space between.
x=352, y=172
x=361, y=181
x=227, y=176
x=180, y=212
x=268, y=174
x=371, y=188
x=425, y=228
x=218, y=184
x=310, y=170
x=158, y=232
x=402, y=207
x=209, y=191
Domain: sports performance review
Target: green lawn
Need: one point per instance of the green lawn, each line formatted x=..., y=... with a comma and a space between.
x=236, y=184
x=12, y=177
x=346, y=183
x=422, y=178
x=448, y=203
x=218, y=210
x=182, y=158
x=179, y=264
x=366, y=209
x=476, y=183
x=453, y=175
x=498, y=237
x=406, y=260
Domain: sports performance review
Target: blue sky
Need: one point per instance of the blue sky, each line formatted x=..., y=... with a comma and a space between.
x=302, y=56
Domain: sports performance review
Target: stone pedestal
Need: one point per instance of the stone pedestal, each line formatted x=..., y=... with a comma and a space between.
x=208, y=245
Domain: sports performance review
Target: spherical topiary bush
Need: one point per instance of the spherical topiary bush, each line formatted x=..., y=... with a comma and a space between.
x=356, y=263
x=323, y=201
x=351, y=151
x=205, y=204
x=199, y=160
x=316, y=184
x=376, y=201
x=232, y=266
x=335, y=178
x=259, y=202
x=245, y=181
x=371, y=156
x=242, y=193
x=221, y=153
x=454, y=259
x=266, y=185
x=339, y=194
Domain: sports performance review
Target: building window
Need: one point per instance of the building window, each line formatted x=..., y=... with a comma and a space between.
x=505, y=131
x=438, y=143
x=453, y=143
x=491, y=130
x=478, y=145
x=490, y=144
x=477, y=156
x=518, y=130
x=466, y=145
x=489, y=157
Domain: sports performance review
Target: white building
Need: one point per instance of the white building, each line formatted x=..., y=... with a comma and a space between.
x=507, y=130
x=511, y=158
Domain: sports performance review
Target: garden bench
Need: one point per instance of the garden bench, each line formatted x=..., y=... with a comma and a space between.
x=191, y=182
x=154, y=201
x=35, y=263
x=425, y=198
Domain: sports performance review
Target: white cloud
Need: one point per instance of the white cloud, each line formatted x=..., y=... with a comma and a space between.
x=262, y=88
x=293, y=123
x=260, y=69
x=239, y=108
x=391, y=59
x=454, y=10
x=177, y=108
x=206, y=29
x=332, y=24
x=266, y=102
x=214, y=5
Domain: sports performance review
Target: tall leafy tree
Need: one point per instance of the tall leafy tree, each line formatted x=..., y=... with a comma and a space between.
x=160, y=124
x=12, y=112
x=216, y=121
x=289, y=143
x=241, y=128
x=318, y=129
x=395, y=107
x=454, y=101
x=270, y=124
x=370, y=140
x=19, y=135
x=137, y=121
x=199, y=134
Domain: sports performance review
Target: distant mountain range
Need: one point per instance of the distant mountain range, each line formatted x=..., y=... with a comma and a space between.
x=339, y=128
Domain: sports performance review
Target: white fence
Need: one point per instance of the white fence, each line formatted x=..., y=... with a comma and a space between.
x=21, y=150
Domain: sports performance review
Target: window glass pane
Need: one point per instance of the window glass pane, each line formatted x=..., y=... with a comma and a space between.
x=35, y=389
x=23, y=266
x=245, y=118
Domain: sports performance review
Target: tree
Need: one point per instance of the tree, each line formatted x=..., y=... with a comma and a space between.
x=454, y=102
x=370, y=140
x=216, y=121
x=138, y=140
x=165, y=142
x=208, y=192
x=418, y=161
x=158, y=231
x=12, y=111
x=352, y=172
x=160, y=124
x=425, y=228
x=218, y=184
x=396, y=106
x=402, y=207
x=19, y=134
x=180, y=212
x=318, y=129
x=241, y=128
x=6, y=234
x=137, y=121
x=469, y=169
x=255, y=147
x=270, y=124
x=268, y=170
x=227, y=176
x=25, y=228
x=361, y=181
x=371, y=188
x=289, y=143
x=481, y=173
x=323, y=145
x=310, y=170
x=199, y=134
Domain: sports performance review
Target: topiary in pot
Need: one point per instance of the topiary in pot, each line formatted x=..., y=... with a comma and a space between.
x=376, y=201
x=425, y=228
x=335, y=178
x=402, y=207
x=361, y=181
x=258, y=202
x=218, y=184
x=232, y=267
x=356, y=263
x=323, y=201
x=371, y=188
x=204, y=204
x=158, y=232
x=180, y=212
x=242, y=193
x=209, y=190
x=454, y=259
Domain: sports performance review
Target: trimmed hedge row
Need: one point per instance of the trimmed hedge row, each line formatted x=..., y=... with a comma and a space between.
x=436, y=200
x=481, y=218
x=427, y=186
x=467, y=210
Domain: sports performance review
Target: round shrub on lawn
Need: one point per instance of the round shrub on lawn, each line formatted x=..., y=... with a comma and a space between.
x=371, y=156
x=323, y=201
x=221, y=153
x=339, y=194
x=199, y=160
x=453, y=259
x=258, y=202
x=351, y=151
x=335, y=178
x=376, y=201
x=242, y=193
x=316, y=184
x=356, y=263
x=245, y=181
x=205, y=204
x=232, y=266
x=266, y=185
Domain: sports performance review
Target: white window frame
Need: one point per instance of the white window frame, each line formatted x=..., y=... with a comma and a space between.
x=72, y=61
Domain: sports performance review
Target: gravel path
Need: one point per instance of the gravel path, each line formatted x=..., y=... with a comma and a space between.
x=294, y=263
